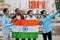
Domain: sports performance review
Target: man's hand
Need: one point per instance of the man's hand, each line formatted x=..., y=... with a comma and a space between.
x=40, y=29
x=10, y=29
x=12, y=24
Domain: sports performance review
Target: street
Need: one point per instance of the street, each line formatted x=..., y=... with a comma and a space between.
x=54, y=37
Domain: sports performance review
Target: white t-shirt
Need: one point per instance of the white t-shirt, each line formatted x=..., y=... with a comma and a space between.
x=18, y=17
x=29, y=18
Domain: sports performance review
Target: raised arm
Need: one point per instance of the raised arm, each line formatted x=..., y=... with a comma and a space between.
x=53, y=14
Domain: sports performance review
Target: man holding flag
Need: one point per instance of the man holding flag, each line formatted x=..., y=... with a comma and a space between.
x=30, y=17
x=26, y=28
x=18, y=16
x=6, y=23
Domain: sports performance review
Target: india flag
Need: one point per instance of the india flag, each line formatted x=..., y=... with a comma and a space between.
x=25, y=28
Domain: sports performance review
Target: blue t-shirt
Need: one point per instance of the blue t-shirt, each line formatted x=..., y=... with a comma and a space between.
x=45, y=22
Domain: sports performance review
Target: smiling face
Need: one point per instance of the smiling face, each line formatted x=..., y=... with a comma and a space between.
x=17, y=11
x=44, y=13
x=7, y=12
x=30, y=14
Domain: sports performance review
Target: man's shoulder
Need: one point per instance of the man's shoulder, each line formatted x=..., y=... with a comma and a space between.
x=41, y=18
x=21, y=14
x=27, y=18
x=4, y=16
x=34, y=17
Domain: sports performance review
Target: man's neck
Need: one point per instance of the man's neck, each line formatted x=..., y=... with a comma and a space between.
x=6, y=15
x=44, y=16
x=30, y=16
x=17, y=14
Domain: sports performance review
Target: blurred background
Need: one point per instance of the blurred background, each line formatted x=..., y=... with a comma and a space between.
x=36, y=6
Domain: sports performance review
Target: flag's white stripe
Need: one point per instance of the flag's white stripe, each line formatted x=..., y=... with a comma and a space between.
x=25, y=29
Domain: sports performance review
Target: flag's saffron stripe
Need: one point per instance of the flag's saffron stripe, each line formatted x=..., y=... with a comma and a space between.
x=24, y=34
x=26, y=22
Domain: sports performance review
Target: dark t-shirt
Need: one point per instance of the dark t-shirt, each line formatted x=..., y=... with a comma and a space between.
x=22, y=17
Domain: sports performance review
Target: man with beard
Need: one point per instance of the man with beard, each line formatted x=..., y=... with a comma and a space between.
x=19, y=16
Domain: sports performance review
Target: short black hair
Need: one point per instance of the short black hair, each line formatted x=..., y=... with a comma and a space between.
x=42, y=12
x=5, y=9
x=29, y=11
x=16, y=9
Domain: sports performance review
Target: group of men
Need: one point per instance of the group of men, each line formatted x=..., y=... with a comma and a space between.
x=44, y=23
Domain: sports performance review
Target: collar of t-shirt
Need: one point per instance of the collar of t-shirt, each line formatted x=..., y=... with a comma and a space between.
x=18, y=17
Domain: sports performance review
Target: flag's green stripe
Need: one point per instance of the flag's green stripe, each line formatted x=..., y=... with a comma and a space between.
x=24, y=34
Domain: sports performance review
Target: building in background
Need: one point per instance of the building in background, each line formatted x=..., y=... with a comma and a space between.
x=3, y=5
x=25, y=5
x=36, y=5
x=57, y=4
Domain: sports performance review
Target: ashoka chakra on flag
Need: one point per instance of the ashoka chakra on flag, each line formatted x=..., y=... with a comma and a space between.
x=25, y=28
